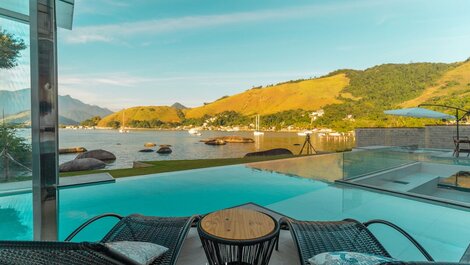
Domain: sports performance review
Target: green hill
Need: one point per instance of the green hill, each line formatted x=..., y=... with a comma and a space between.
x=305, y=94
x=142, y=117
x=349, y=98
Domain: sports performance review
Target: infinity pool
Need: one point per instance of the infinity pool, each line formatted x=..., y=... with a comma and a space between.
x=442, y=230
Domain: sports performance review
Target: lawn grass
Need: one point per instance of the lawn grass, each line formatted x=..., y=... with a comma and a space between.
x=174, y=165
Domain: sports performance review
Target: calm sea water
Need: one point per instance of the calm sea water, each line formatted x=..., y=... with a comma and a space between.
x=126, y=146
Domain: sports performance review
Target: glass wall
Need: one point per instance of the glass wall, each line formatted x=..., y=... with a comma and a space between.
x=15, y=119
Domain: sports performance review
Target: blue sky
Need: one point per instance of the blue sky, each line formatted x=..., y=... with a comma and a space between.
x=124, y=53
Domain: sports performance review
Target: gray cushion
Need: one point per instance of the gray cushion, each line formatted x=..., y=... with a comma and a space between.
x=141, y=252
x=347, y=258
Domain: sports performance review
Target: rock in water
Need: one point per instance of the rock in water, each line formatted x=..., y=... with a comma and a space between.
x=146, y=150
x=82, y=164
x=164, y=150
x=72, y=150
x=150, y=144
x=271, y=152
x=215, y=142
x=229, y=139
x=99, y=154
x=236, y=139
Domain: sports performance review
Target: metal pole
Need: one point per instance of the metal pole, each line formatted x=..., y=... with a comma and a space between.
x=44, y=118
x=457, y=118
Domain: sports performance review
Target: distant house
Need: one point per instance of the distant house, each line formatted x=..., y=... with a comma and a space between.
x=316, y=114
x=349, y=117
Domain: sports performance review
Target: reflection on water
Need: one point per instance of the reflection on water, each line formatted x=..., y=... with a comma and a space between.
x=328, y=167
x=11, y=221
x=126, y=146
x=185, y=146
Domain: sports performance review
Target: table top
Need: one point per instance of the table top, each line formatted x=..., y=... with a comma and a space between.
x=238, y=224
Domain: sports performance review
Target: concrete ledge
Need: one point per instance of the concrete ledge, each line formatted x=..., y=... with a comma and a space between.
x=64, y=182
x=90, y=179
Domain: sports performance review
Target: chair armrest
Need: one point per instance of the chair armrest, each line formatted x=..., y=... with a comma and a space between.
x=81, y=227
x=404, y=233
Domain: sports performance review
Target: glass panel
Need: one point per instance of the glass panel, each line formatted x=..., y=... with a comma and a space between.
x=15, y=129
x=429, y=173
x=18, y=6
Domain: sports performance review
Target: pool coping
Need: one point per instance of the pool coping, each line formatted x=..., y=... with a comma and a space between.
x=22, y=187
x=416, y=196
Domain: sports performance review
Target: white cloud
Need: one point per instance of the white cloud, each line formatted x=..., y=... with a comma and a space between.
x=115, y=32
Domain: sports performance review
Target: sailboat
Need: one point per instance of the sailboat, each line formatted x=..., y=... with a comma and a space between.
x=257, y=131
x=122, y=129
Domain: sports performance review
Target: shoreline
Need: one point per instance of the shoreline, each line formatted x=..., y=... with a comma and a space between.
x=324, y=130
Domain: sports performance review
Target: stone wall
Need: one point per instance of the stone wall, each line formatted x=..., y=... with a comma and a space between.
x=389, y=136
x=433, y=136
x=442, y=136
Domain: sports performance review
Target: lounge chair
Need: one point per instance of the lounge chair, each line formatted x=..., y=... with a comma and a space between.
x=315, y=237
x=165, y=231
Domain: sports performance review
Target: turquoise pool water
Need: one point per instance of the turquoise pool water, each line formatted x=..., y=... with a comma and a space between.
x=442, y=230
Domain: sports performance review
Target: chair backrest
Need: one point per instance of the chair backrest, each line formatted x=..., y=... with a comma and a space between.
x=57, y=253
x=165, y=231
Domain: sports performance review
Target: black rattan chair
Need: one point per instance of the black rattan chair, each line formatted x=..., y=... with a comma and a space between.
x=312, y=237
x=165, y=231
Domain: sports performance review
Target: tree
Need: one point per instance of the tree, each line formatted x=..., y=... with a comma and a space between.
x=91, y=122
x=15, y=152
x=114, y=124
x=10, y=48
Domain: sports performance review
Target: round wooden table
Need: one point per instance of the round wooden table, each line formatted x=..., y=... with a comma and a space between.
x=238, y=236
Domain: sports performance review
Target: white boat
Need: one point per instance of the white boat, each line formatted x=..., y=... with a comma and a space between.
x=335, y=134
x=122, y=129
x=194, y=131
x=304, y=133
x=257, y=132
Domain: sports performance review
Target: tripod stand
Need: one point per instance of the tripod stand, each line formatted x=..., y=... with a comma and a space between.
x=309, y=149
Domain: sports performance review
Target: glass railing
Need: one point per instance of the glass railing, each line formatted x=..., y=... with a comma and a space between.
x=428, y=173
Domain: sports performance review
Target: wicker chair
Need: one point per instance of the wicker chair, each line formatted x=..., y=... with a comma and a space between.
x=312, y=238
x=166, y=231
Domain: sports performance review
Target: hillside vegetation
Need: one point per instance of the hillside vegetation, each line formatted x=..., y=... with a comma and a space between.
x=453, y=88
x=308, y=94
x=349, y=98
x=141, y=116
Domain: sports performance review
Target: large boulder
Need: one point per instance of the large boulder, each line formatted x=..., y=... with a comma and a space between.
x=229, y=139
x=72, y=150
x=99, y=154
x=215, y=142
x=82, y=164
x=236, y=139
x=271, y=152
x=146, y=150
x=164, y=150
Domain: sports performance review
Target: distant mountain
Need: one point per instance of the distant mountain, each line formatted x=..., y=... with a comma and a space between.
x=179, y=106
x=24, y=117
x=17, y=104
x=76, y=110
x=142, y=114
x=12, y=102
